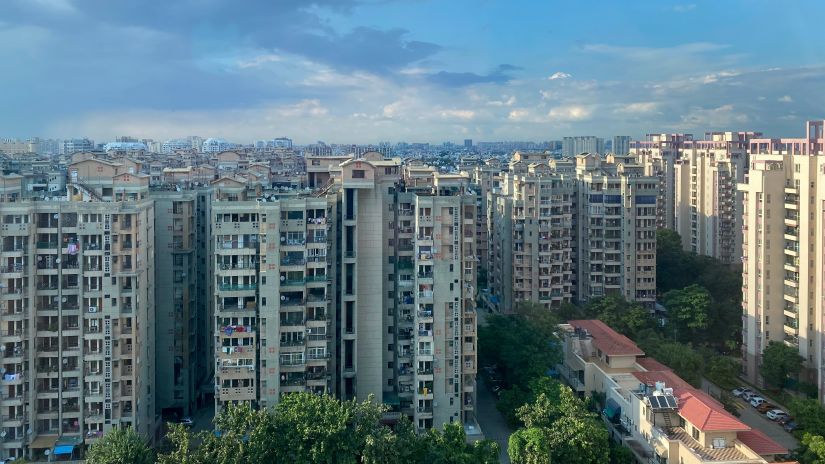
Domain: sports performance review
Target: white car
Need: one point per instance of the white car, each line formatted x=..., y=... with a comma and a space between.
x=776, y=414
x=738, y=392
x=756, y=401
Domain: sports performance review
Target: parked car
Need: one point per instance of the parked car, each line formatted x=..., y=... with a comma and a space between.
x=784, y=420
x=756, y=401
x=187, y=422
x=738, y=392
x=765, y=407
x=748, y=394
x=776, y=414
x=790, y=426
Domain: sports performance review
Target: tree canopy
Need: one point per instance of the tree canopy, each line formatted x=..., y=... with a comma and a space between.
x=779, y=362
x=120, y=446
x=305, y=429
x=559, y=430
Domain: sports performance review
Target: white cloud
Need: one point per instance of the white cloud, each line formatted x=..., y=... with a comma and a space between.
x=519, y=114
x=684, y=8
x=303, y=108
x=559, y=75
x=570, y=113
x=654, y=53
x=722, y=116
x=509, y=101
x=714, y=77
x=458, y=114
x=785, y=99
x=637, y=108
x=258, y=61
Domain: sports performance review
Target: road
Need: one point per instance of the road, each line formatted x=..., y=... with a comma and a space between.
x=491, y=421
x=754, y=419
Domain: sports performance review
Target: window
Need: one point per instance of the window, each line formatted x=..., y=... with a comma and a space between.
x=695, y=433
x=358, y=174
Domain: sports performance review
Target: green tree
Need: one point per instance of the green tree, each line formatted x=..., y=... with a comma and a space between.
x=671, y=262
x=687, y=311
x=305, y=428
x=809, y=414
x=813, y=449
x=620, y=454
x=120, y=446
x=779, y=362
x=529, y=446
x=180, y=447
x=523, y=348
x=559, y=428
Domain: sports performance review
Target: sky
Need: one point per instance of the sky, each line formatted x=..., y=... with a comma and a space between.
x=365, y=71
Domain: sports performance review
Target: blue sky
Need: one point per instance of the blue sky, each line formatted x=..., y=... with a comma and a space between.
x=359, y=71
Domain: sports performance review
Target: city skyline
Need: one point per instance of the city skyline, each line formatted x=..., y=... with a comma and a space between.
x=416, y=71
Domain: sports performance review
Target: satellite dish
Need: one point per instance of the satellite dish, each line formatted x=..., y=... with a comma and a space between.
x=283, y=298
x=65, y=299
x=283, y=278
x=3, y=434
x=283, y=239
x=56, y=216
x=57, y=260
x=47, y=452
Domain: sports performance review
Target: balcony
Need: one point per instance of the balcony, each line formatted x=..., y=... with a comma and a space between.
x=237, y=287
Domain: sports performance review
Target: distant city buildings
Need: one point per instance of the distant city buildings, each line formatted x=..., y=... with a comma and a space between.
x=621, y=145
x=75, y=145
x=573, y=146
x=213, y=145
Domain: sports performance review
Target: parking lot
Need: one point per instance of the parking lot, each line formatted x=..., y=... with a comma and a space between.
x=756, y=420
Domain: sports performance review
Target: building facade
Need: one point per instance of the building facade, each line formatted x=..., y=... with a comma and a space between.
x=782, y=252
x=572, y=230
x=708, y=207
x=78, y=317
x=572, y=146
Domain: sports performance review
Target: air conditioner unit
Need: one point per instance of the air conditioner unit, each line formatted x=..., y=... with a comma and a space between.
x=92, y=309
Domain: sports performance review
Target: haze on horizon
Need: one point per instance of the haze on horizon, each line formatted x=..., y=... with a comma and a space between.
x=371, y=70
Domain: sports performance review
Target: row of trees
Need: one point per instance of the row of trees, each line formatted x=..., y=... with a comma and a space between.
x=303, y=429
x=553, y=424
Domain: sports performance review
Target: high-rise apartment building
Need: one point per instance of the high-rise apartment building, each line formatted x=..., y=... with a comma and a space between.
x=77, y=311
x=708, y=208
x=184, y=354
x=782, y=279
x=363, y=288
x=658, y=154
x=414, y=233
x=616, y=230
x=572, y=146
x=573, y=230
x=272, y=294
x=621, y=145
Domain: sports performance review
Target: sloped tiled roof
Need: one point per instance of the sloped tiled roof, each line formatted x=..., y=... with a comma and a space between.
x=707, y=414
x=608, y=340
x=760, y=443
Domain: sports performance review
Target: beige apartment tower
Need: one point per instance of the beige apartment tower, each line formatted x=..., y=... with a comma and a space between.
x=77, y=313
x=782, y=254
x=708, y=206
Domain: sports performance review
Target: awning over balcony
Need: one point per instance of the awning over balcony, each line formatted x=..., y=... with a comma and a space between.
x=612, y=410
x=43, y=441
x=63, y=449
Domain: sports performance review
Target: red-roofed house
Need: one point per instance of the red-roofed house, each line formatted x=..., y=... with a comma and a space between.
x=650, y=409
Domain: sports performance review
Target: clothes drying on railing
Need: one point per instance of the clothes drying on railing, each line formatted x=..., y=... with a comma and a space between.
x=230, y=329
